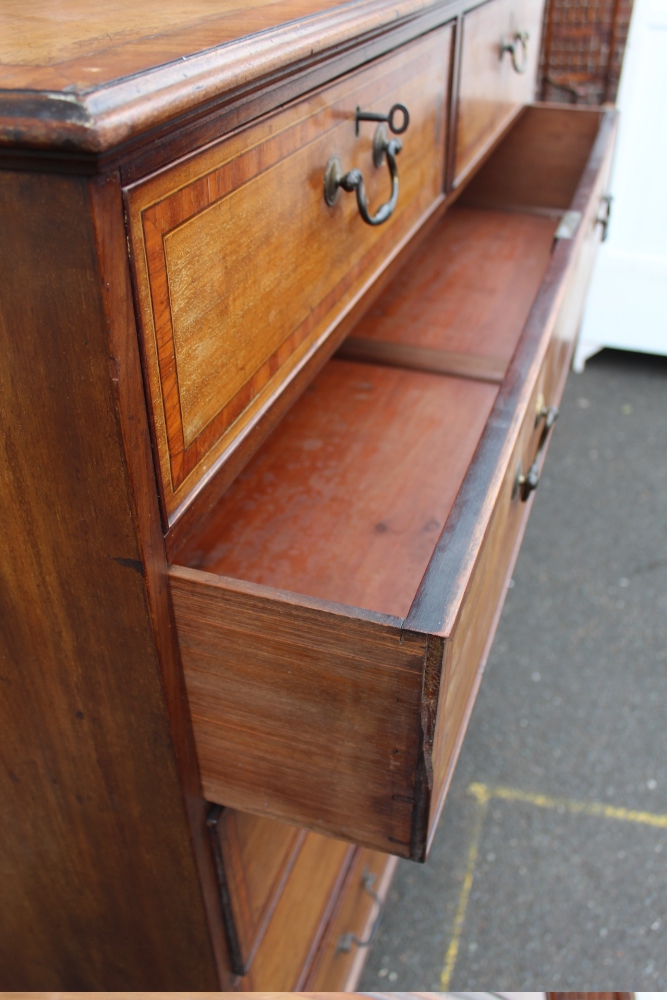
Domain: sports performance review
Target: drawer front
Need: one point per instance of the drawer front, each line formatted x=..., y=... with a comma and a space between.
x=255, y=858
x=346, y=942
x=243, y=270
x=476, y=624
x=470, y=642
x=491, y=90
x=301, y=915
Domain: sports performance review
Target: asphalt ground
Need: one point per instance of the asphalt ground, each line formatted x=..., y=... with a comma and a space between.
x=549, y=869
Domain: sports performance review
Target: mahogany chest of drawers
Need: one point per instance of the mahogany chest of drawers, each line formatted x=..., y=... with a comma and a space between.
x=288, y=294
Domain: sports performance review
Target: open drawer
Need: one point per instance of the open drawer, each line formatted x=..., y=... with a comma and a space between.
x=336, y=608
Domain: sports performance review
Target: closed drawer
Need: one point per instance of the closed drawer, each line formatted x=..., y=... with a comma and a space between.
x=336, y=609
x=243, y=270
x=495, y=81
x=254, y=859
x=301, y=915
x=351, y=930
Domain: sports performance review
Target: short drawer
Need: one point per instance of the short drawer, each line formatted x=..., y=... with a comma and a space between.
x=336, y=609
x=499, y=59
x=254, y=859
x=243, y=270
x=354, y=922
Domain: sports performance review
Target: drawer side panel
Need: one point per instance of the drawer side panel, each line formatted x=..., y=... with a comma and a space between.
x=301, y=713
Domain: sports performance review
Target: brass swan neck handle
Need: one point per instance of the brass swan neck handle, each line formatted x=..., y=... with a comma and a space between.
x=334, y=178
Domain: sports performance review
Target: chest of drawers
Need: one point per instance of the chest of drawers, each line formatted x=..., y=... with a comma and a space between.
x=287, y=300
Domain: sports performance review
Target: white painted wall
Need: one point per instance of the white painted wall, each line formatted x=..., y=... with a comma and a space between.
x=627, y=302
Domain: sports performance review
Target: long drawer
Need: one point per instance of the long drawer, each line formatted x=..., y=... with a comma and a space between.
x=336, y=609
x=499, y=56
x=243, y=270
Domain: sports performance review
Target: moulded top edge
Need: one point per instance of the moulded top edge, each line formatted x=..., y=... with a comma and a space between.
x=88, y=78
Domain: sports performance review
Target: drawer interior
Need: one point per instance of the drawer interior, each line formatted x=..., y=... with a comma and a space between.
x=540, y=163
x=459, y=307
x=347, y=499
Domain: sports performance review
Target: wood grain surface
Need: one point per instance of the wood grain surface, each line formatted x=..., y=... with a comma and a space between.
x=122, y=891
x=125, y=371
x=222, y=331
x=257, y=856
x=37, y=35
x=344, y=487
x=590, y=996
x=470, y=642
x=540, y=162
x=302, y=710
x=474, y=628
x=491, y=92
x=99, y=881
x=292, y=937
x=422, y=359
x=466, y=292
x=355, y=913
x=593, y=186
x=346, y=500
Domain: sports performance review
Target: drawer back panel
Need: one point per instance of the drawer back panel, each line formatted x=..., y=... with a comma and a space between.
x=243, y=270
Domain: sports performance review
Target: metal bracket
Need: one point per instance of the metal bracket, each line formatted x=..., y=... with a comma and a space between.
x=568, y=226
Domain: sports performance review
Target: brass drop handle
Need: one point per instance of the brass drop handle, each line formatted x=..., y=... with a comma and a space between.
x=353, y=180
x=518, y=42
x=345, y=941
x=526, y=484
x=604, y=220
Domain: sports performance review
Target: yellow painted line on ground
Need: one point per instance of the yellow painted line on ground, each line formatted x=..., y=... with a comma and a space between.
x=484, y=794
x=459, y=919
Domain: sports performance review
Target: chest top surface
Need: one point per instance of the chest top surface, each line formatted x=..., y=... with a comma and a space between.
x=89, y=76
